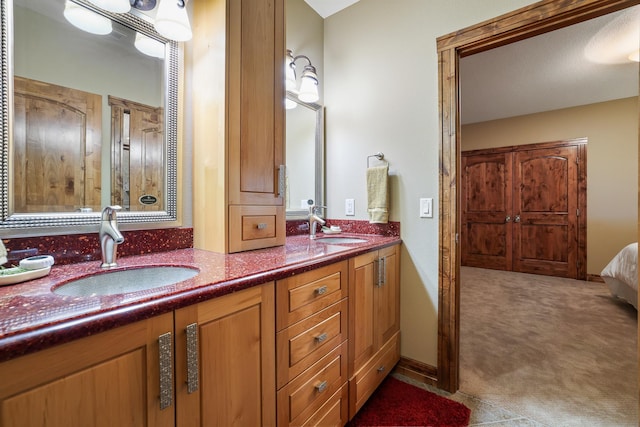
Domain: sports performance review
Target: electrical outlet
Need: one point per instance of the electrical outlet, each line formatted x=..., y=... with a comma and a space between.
x=350, y=207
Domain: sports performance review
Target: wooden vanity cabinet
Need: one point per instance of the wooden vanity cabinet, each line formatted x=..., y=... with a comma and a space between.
x=312, y=347
x=374, y=322
x=113, y=378
x=236, y=63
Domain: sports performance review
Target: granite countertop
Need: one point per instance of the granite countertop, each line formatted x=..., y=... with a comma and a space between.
x=33, y=318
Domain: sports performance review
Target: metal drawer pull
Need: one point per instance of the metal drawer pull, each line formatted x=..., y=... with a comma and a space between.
x=321, y=290
x=192, y=357
x=321, y=337
x=321, y=387
x=381, y=369
x=166, y=370
x=261, y=226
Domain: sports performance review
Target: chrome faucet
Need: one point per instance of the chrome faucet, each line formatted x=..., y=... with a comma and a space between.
x=110, y=236
x=314, y=217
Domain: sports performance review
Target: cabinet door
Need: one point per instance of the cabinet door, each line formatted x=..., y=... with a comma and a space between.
x=235, y=366
x=109, y=379
x=362, y=336
x=388, y=295
x=256, y=101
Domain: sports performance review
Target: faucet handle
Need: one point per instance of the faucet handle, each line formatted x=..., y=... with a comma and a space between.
x=109, y=212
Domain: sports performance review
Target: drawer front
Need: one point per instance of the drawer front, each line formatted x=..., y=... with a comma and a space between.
x=302, y=398
x=365, y=382
x=254, y=227
x=302, y=295
x=306, y=342
x=335, y=411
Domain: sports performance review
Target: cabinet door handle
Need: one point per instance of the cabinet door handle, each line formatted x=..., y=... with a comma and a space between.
x=517, y=218
x=321, y=290
x=381, y=369
x=281, y=180
x=322, y=337
x=507, y=219
x=321, y=387
x=166, y=370
x=192, y=357
x=381, y=272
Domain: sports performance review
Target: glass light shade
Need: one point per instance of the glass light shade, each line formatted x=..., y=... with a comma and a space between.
x=635, y=56
x=308, y=87
x=290, y=76
x=86, y=20
x=172, y=21
x=289, y=104
x=149, y=46
x=115, y=6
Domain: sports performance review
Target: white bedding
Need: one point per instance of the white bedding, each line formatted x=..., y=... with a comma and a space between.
x=621, y=274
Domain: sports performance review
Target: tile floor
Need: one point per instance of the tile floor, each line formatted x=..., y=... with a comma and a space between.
x=482, y=413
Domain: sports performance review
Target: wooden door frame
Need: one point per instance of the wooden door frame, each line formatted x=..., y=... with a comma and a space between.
x=529, y=21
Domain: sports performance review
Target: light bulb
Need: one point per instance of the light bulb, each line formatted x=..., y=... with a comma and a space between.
x=172, y=21
x=85, y=19
x=635, y=56
x=115, y=6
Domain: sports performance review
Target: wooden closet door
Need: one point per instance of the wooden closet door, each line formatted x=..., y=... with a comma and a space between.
x=486, y=210
x=545, y=209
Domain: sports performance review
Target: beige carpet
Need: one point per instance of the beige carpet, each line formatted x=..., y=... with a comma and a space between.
x=559, y=352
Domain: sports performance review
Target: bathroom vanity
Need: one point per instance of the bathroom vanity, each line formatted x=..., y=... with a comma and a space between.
x=295, y=335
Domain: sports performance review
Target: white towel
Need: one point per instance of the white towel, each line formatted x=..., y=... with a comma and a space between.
x=378, y=194
x=3, y=253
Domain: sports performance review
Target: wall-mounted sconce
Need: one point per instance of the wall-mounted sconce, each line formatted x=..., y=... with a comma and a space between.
x=171, y=20
x=308, y=91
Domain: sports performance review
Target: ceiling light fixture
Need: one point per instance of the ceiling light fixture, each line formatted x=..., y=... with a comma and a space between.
x=308, y=91
x=86, y=20
x=172, y=20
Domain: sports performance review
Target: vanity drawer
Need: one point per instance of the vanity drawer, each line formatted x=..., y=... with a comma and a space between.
x=302, y=295
x=301, y=399
x=367, y=380
x=253, y=227
x=306, y=342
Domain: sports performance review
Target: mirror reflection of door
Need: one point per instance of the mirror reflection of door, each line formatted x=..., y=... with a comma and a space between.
x=56, y=148
x=137, y=177
x=301, y=157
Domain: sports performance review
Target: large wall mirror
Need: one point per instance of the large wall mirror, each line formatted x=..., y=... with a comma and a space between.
x=88, y=120
x=305, y=156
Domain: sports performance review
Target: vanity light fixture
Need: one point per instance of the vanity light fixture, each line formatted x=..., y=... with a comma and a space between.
x=149, y=46
x=308, y=91
x=635, y=56
x=85, y=19
x=114, y=6
x=172, y=20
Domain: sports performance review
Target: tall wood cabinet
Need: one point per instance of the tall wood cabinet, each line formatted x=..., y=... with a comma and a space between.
x=374, y=322
x=223, y=373
x=236, y=68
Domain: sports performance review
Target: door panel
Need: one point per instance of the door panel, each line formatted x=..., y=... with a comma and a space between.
x=486, y=204
x=546, y=201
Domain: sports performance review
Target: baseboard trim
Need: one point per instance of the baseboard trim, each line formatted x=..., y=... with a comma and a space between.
x=594, y=278
x=418, y=371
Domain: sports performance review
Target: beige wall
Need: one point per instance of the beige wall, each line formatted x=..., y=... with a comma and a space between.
x=612, y=164
x=381, y=94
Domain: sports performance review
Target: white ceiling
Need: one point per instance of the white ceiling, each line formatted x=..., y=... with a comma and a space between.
x=329, y=7
x=552, y=71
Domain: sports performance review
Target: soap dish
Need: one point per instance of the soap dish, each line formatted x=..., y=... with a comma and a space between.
x=22, y=275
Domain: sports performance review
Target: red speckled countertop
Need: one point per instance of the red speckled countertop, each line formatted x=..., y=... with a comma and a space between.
x=32, y=317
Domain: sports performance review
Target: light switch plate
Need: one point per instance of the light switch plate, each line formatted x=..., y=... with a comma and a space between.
x=350, y=207
x=426, y=207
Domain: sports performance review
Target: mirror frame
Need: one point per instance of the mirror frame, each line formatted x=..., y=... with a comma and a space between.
x=27, y=221
x=319, y=157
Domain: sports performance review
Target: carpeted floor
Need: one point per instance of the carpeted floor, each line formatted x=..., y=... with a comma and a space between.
x=547, y=350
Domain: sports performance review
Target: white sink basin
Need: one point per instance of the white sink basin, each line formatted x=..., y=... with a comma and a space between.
x=338, y=240
x=126, y=281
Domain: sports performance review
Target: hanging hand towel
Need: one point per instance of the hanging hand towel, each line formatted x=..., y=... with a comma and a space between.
x=3, y=253
x=377, y=194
